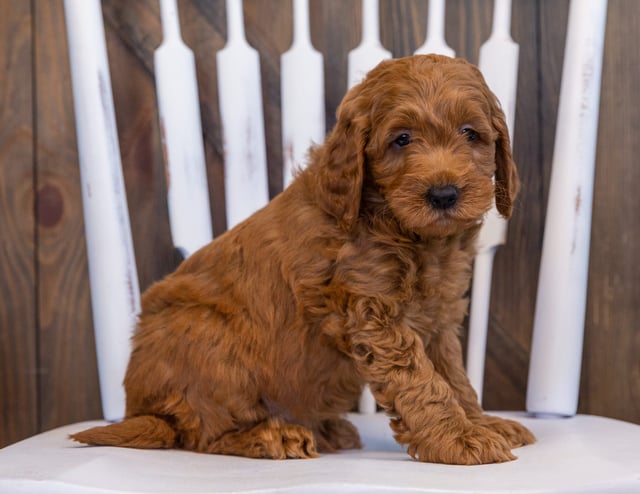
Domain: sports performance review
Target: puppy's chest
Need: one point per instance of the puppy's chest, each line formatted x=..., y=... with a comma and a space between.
x=423, y=286
x=437, y=300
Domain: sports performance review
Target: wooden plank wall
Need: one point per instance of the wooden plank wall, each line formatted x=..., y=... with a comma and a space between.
x=18, y=311
x=47, y=358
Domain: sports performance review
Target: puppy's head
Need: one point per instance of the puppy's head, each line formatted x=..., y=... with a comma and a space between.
x=427, y=133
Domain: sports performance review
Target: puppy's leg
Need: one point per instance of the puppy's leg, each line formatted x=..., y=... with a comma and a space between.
x=336, y=434
x=445, y=352
x=426, y=414
x=271, y=438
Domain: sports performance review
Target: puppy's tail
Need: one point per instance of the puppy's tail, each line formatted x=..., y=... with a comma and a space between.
x=144, y=432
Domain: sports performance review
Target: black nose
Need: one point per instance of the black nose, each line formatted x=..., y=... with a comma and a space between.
x=443, y=197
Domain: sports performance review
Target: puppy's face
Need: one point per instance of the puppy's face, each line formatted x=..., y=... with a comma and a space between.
x=433, y=137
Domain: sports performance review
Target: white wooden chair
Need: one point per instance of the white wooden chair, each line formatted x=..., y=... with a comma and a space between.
x=579, y=454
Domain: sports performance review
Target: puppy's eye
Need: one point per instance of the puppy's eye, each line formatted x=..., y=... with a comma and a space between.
x=470, y=134
x=402, y=140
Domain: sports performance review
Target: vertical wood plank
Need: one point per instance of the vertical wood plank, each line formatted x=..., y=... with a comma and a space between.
x=611, y=364
x=552, y=22
x=204, y=30
x=269, y=28
x=468, y=25
x=403, y=25
x=18, y=339
x=69, y=381
x=336, y=27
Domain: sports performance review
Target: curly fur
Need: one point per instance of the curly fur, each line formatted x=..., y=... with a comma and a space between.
x=261, y=341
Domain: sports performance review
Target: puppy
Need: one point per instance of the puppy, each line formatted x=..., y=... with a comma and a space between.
x=357, y=273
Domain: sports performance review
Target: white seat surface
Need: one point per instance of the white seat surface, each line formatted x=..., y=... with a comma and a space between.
x=583, y=454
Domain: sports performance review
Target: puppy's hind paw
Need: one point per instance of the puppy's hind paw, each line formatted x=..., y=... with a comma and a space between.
x=298, y=442
x=269, y=439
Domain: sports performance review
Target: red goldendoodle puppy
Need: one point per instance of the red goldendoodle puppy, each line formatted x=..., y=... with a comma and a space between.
x=357, y=273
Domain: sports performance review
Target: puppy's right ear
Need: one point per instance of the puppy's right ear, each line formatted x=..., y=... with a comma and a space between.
x=340, y=163
x=507, y=182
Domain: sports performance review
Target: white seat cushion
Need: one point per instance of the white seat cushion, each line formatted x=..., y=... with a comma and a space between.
x=583, y=454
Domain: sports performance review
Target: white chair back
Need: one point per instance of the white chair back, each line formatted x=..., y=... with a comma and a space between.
x=246, y=172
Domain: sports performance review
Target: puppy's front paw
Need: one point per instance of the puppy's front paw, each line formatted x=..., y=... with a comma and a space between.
x=475, y=446
x=515, y=433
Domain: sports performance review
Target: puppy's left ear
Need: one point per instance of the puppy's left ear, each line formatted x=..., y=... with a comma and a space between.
x=507, y=182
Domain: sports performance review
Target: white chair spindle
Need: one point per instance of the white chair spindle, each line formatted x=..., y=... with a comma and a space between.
x=112, y=266
x=370, y=51
x=181, y=132
x=240, y=98
x=435, y=41
x=302, y=94
x=556, y=348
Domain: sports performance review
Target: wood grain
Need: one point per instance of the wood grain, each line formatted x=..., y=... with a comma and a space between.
x=18, y=317
x=204, y=30
x=403, y=25
x=335, y=30
x=611, y=364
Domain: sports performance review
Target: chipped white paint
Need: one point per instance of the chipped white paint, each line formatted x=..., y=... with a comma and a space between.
x=370, y=51
x=240, y=98
x=435, y=41
x=302, y=91
x=498, y=63
x=115, y=293
x=179, y=111
x=556, y=353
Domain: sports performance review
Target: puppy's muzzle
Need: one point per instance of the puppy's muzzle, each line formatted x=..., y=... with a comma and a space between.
x=443, y=197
